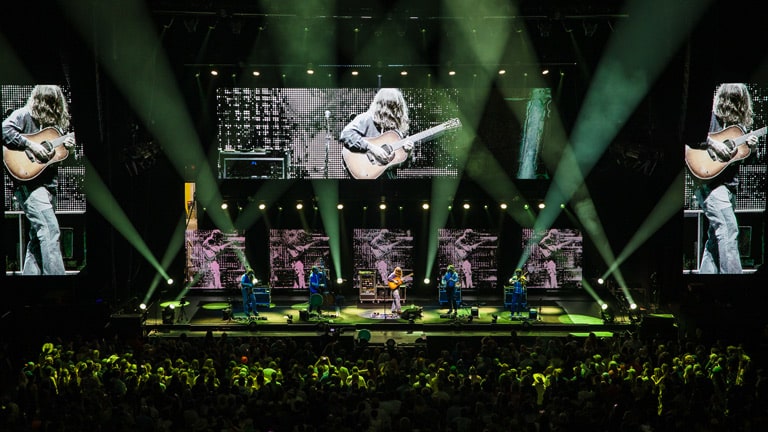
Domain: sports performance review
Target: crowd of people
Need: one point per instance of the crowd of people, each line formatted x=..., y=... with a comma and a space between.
x=337, y=383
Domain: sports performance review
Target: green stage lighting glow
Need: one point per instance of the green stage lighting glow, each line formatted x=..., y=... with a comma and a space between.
x=103, y=201
x=328, y=193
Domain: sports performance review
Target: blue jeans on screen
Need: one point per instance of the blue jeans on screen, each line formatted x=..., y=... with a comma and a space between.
x=43, y=249
x=721, y=250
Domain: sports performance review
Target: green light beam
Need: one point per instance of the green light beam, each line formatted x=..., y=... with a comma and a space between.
x=174, y=246
x=105, y=203
x=586, y=212
x=669, y=205
x=124, y=41
x=267, y=194
x=327, y=192
x=629, y=67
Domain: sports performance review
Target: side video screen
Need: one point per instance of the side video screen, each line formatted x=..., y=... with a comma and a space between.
x=44, y=200
x=725, y=194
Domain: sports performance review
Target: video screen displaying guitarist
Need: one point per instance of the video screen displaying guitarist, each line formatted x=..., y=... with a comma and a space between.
x=370, y=135
x=716, y=185
x=34, y=140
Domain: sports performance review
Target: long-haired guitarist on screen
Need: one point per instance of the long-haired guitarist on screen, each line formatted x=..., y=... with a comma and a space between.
x=732, y=107
x=368, y=135
x=46, y=115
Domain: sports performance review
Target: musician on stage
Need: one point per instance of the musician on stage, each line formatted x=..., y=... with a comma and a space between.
x=246, y=287
x=316, y=286
x=395, y=280
x=519, y=292
x=45, y=107
x=388, y=112
x=449, y=281
x=732, y=106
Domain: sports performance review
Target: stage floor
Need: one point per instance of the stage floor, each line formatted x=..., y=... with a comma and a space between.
x=286, y=315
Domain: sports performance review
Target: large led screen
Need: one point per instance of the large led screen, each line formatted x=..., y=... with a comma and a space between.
x=555, y=258
x=214, y=259
x=315, y=133
x=473, y=253
x=725, y=191
x=380, y=250
x=44, y=201
x=293, y=253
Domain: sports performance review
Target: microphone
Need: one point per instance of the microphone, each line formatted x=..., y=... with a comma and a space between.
x=327, y=114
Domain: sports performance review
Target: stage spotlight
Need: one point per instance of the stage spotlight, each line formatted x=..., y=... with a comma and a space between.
x=340, y=206
x=143, y=306
x=299, y=205
x=562, y=206
x=382, y=206
x=425, y=206
x=526, y=207
x=256, y=73
x=502, y=71
x=426, y=281
x=503, y=206
x=633, y=306
x=214, y=72
x=170, y=281
x=224, y=206
x=600, y=281
x=262, y=206
x=339, y=281
x=466, y=206
x=542, y=205
x=545, y=72
x=604, y=306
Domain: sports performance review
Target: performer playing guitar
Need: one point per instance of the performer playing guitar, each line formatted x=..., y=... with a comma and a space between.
x=519, y=294
x=395, y=280
x=377, y=140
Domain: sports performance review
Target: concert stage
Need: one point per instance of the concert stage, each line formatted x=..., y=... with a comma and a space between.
x=549, y=315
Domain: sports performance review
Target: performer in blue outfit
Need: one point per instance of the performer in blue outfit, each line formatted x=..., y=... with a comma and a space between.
x=519, y=293
x=246, y=286
x=316, y=286
x=450, y=279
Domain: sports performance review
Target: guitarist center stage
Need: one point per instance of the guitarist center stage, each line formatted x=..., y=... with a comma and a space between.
x=551, y=314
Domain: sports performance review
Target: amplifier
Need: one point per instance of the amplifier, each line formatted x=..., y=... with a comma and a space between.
x=239, y=165
x=262, y=296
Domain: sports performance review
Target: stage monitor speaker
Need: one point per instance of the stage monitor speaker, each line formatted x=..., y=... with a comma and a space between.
x=304, y=315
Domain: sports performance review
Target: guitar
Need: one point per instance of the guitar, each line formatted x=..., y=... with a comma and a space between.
x=24, y=166
x=395, y=284
x=705, y=166
x=365, y=166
